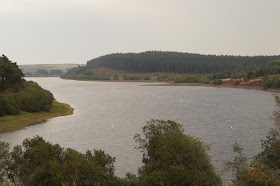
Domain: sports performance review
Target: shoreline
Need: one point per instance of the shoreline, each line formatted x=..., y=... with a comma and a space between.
x=254, y=87
x=9, y=123
x=162, y=83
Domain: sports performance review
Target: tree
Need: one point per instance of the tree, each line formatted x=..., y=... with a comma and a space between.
x=4, y=156
x=10, y=74
x=116, y=77
x=56, y=72
x=173, y=158
x=124, y=77
x=264, y=169
x=271, y=146
x=250, y=173
x=43, y=72
x=37, y=162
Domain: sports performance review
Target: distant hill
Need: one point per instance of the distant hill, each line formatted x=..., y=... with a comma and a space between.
x=176, y=62
x=34, y=70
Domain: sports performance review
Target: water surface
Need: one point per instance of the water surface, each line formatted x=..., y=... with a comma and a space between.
x=108, y=114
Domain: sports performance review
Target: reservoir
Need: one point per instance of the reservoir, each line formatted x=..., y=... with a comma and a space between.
x=107, y=115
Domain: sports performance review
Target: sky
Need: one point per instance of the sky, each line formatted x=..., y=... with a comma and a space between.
x=75, y=31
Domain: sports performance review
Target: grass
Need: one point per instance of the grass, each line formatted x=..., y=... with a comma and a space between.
x=184, y=84
x=11, y=122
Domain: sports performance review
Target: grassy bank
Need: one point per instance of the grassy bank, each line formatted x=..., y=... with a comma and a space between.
x=173, y=84
x=183, y=84
x=11, y=122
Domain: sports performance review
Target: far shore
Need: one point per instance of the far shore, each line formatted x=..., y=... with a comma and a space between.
x=164, y=83
x=243, y=87
x=10, y=123
x=254, y=87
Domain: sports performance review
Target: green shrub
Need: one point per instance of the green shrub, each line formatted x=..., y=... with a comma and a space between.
x=267, y=84
x=237, y=83
x=217, y=82
x=33, y=98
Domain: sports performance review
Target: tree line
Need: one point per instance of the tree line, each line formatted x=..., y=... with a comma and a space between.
x=32, y=98
x=45, y=73
x=10, y=74
x=269, y=74
x=18, y=95
x=176, y=62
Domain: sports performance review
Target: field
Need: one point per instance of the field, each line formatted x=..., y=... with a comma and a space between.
x=48, y=67
x=10, y=122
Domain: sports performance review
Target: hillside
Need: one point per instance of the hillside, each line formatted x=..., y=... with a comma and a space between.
x=46, y=69
x=176, y=62
x=165, y=66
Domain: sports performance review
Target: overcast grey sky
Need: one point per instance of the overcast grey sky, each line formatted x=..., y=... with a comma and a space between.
x=74, y=31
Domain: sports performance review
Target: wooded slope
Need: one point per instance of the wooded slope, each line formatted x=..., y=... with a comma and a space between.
x=176, y=62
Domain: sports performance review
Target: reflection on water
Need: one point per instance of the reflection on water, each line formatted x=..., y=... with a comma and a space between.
x=108, y=114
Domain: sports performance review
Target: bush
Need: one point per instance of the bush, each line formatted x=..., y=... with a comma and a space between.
x=37, y=162
x=276, y=83
x=33, y=98
x=3, y=105
x=217, y=82
x=134, y=78
x=267, y=84
x=173, y=158
x=237, y=83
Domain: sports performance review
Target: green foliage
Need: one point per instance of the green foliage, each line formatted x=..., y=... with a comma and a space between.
x=237, y=165
x=184, y=63
x=253, y=173
x=268, y=83
x=56, y=72
x=217, y=82
x=12, y=106
x=116, y=77
x=194, y=78
x=81, y=73
x=264, y=169
x=272, y=82
x=130, y=180
x=4, y=157
x=176, y=62
x=124, y=77
x=237, y=83
x=147, y=78
x=10, y=74
x=32, y=98
x=271, y=152
x=37, y=162
x=42, y=72
x=134, y=78
x=173, y=158
x=2, y=105
x=271, y=69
